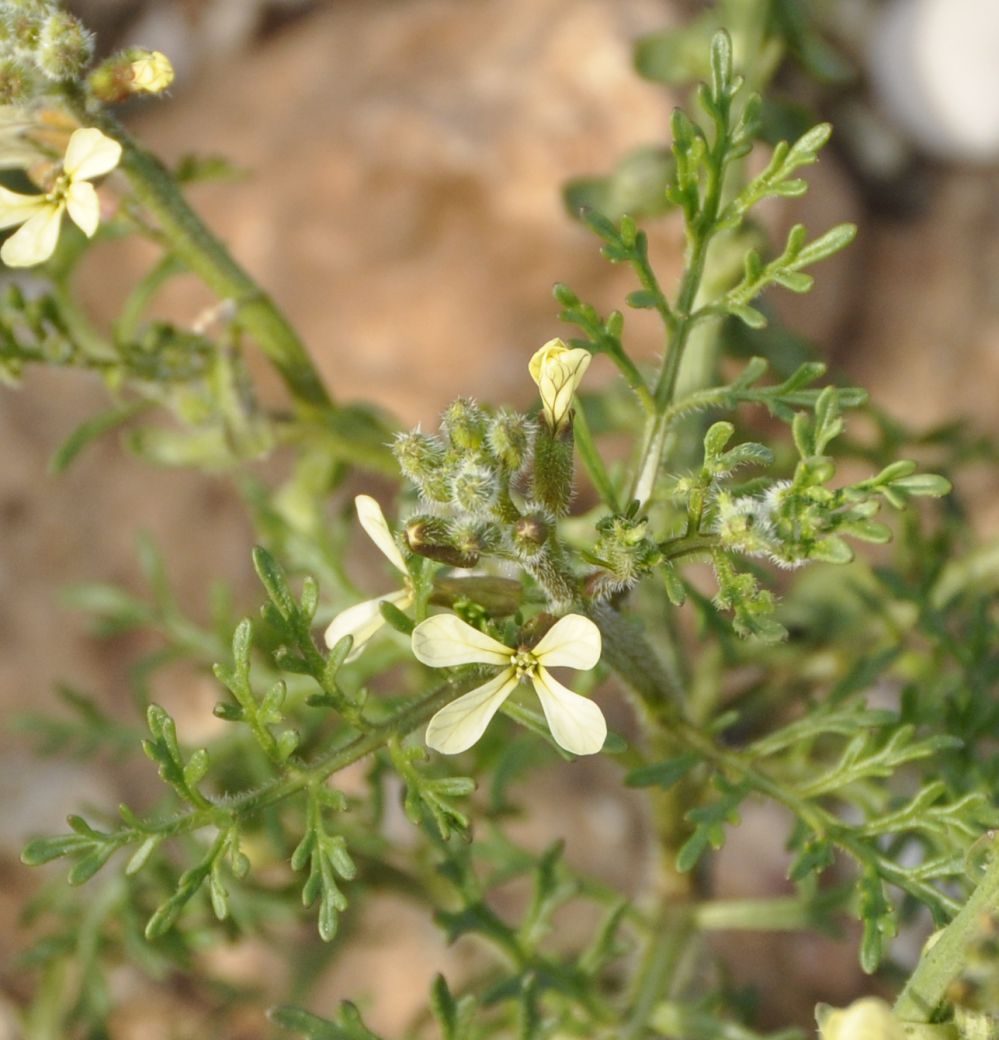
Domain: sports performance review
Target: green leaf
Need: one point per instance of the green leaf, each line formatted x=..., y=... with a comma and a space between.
x=930, y=484
x=273, y=579
x=91, y=430
x=348, y=1024
x=711, y=822
x=662, y=774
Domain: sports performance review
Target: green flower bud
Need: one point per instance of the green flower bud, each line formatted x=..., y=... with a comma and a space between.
x=421, y=459
x=553, y=468
x=432, y=537
x=23, y=29
x=464, y=422
x=743, y=524
x=530, y=535
x=64, y=47
x=133, y=71
x=474, y=488
x=509, y=438
x=625, y=553
x=15, y=82
x=471, y=537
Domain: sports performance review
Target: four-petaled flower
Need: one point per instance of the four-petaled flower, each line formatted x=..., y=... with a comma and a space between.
x=558, y=370
x=89, y=154
x=363, y=620
x=576, y=723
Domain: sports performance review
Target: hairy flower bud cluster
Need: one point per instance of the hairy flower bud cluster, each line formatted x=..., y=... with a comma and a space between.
x=39, y=44
x=791, y=524
x=625, y=553
x=479, y=480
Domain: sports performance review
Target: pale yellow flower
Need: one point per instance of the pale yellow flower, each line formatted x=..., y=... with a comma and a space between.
x=558, y=371
x=866, y=1019
x=89, y=154
x=576, y=723
x=363, y=620
x=152, y=73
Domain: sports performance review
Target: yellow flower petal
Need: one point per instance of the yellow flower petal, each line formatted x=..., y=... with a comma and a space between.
x=369, y=512
x=572, y=642
x=36, y=240
x=866, y=1019
x=83, y=207
x=90, y=154
x=577, y=724
x=458, y=725
x=444, y=640
x=152, y=73
x=362, y=621
x=558, y=371
x=16, y=208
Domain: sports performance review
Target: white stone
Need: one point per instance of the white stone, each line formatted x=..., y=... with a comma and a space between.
x=934, y=67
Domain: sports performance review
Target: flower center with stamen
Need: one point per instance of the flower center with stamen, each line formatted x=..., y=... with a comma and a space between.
x=524, y=664
x=59, y=189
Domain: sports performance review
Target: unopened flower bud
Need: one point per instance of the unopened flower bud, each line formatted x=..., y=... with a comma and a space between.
x=509, y=439
x=130, y=72
x=472, y=537
x=530, y=534
x=465, y=424
x=22, y=27
x=420, y=458
x=431, y=537
x=474, y=488
x=743, y=523
x=64, y=46
x=558, y=371
x=152, y=72
x=15, y=82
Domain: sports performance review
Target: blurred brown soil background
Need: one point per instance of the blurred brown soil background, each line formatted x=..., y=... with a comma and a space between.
x=405, y=161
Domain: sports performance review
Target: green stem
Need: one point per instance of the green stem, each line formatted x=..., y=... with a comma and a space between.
x=192, y=242
x=298, y=777
x=946, y=958
x=670, y=941
x=591, y=459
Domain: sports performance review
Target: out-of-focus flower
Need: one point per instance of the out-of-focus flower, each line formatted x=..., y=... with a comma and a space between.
x=89, y=154
x=576, y=723
x=152, y=72
x=363, y=620
x=866, y=1019
x=558, y=371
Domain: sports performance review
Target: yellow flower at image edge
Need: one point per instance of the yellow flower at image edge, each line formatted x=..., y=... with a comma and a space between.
x=866, y=1019
x=558, y=370
x=576, y=723
x=89, y=154
x=363, y=620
